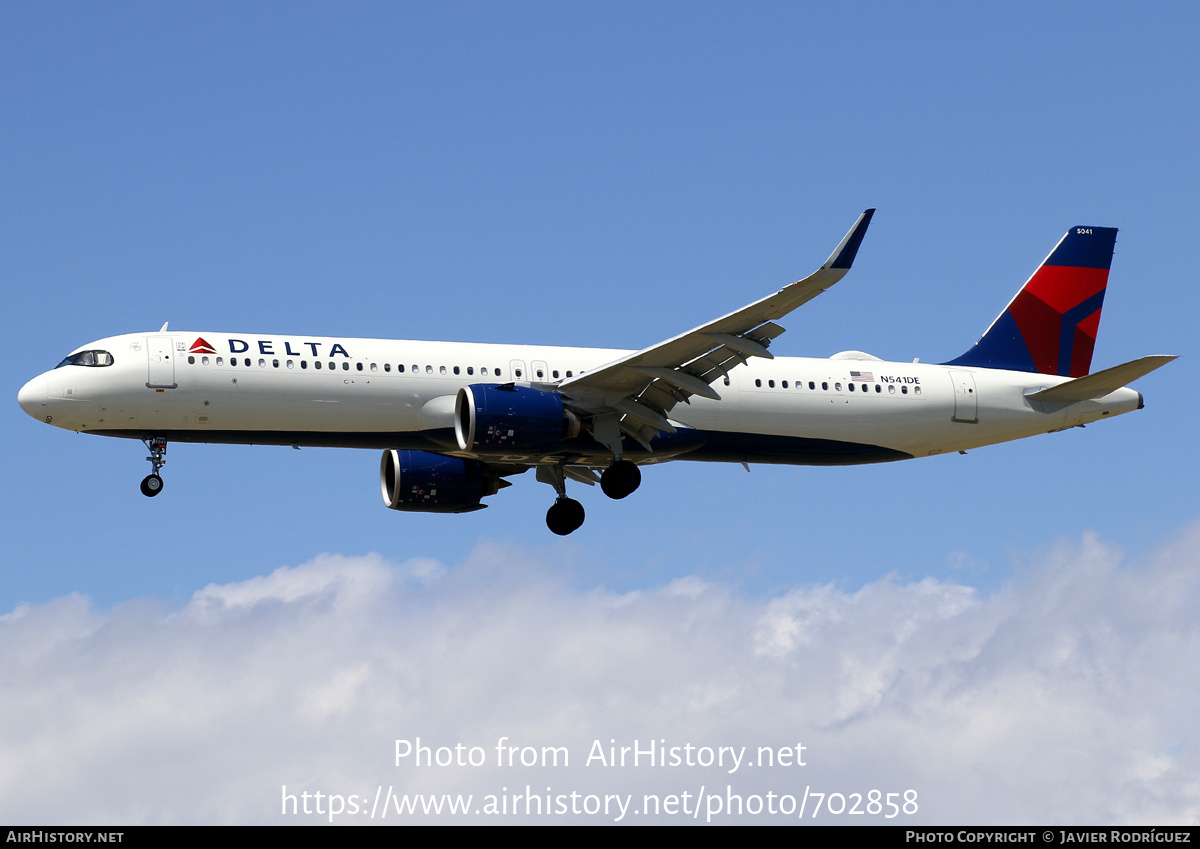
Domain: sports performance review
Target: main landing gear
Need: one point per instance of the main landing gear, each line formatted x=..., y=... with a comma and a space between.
x=620, y=479
x=152, y=484
x=566, y=514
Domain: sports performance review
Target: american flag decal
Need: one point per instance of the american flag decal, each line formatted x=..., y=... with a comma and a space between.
x=866, y=376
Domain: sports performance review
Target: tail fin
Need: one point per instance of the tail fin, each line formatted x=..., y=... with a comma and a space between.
x=1050, y=326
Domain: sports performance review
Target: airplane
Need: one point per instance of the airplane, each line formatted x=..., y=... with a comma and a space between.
x=455, y=420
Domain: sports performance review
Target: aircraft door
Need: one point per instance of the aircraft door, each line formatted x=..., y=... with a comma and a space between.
x=160, y=352
x=966, y=399
x=516, y=370
x=540, y=372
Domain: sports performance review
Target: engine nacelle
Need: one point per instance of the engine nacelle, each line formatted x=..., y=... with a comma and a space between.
x=490, y=417
x=421, y=482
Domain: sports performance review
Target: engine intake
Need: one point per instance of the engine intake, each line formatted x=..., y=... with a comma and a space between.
x=491, y=417
x=421, y=482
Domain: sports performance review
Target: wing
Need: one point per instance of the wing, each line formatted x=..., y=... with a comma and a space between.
x=643, y=387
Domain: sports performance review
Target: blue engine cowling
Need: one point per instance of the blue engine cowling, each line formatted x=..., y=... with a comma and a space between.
x=490, y=417
x=422, y=482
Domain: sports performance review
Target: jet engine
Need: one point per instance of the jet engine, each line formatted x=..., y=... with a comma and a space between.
x=422, y=482
x=491, y=417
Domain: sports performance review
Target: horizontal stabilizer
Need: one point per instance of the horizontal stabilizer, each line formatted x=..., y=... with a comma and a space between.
x=1102, y=382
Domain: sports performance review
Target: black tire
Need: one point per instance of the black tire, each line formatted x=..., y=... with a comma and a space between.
x=151, y=485
x=564, y=516
x=620, y=479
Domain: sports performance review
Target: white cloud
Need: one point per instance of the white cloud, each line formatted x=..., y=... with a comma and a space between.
x=1067, y=697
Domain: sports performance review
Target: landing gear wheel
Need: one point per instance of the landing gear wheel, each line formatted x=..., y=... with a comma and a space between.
x=564, y=516
x=151, y=485
x=620, y=479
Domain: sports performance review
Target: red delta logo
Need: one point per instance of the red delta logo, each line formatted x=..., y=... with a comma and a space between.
x=200, y=346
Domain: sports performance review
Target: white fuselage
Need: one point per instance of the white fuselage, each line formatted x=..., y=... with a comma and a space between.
x=271, y=389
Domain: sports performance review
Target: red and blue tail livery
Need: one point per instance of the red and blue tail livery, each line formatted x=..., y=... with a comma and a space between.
x=1050, y=326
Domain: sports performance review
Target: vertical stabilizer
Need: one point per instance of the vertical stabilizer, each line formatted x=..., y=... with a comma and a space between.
x=1050, y=326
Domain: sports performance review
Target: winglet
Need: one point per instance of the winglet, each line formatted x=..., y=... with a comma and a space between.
x=843, y=255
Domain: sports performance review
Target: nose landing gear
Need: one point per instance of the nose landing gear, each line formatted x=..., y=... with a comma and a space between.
x=152, y=484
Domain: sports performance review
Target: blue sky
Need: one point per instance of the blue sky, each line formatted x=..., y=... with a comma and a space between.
x=605, y=175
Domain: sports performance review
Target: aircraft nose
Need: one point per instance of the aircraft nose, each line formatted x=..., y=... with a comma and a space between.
x=33, y=396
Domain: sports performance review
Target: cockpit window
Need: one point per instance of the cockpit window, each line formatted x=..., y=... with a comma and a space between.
x=88, y=358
